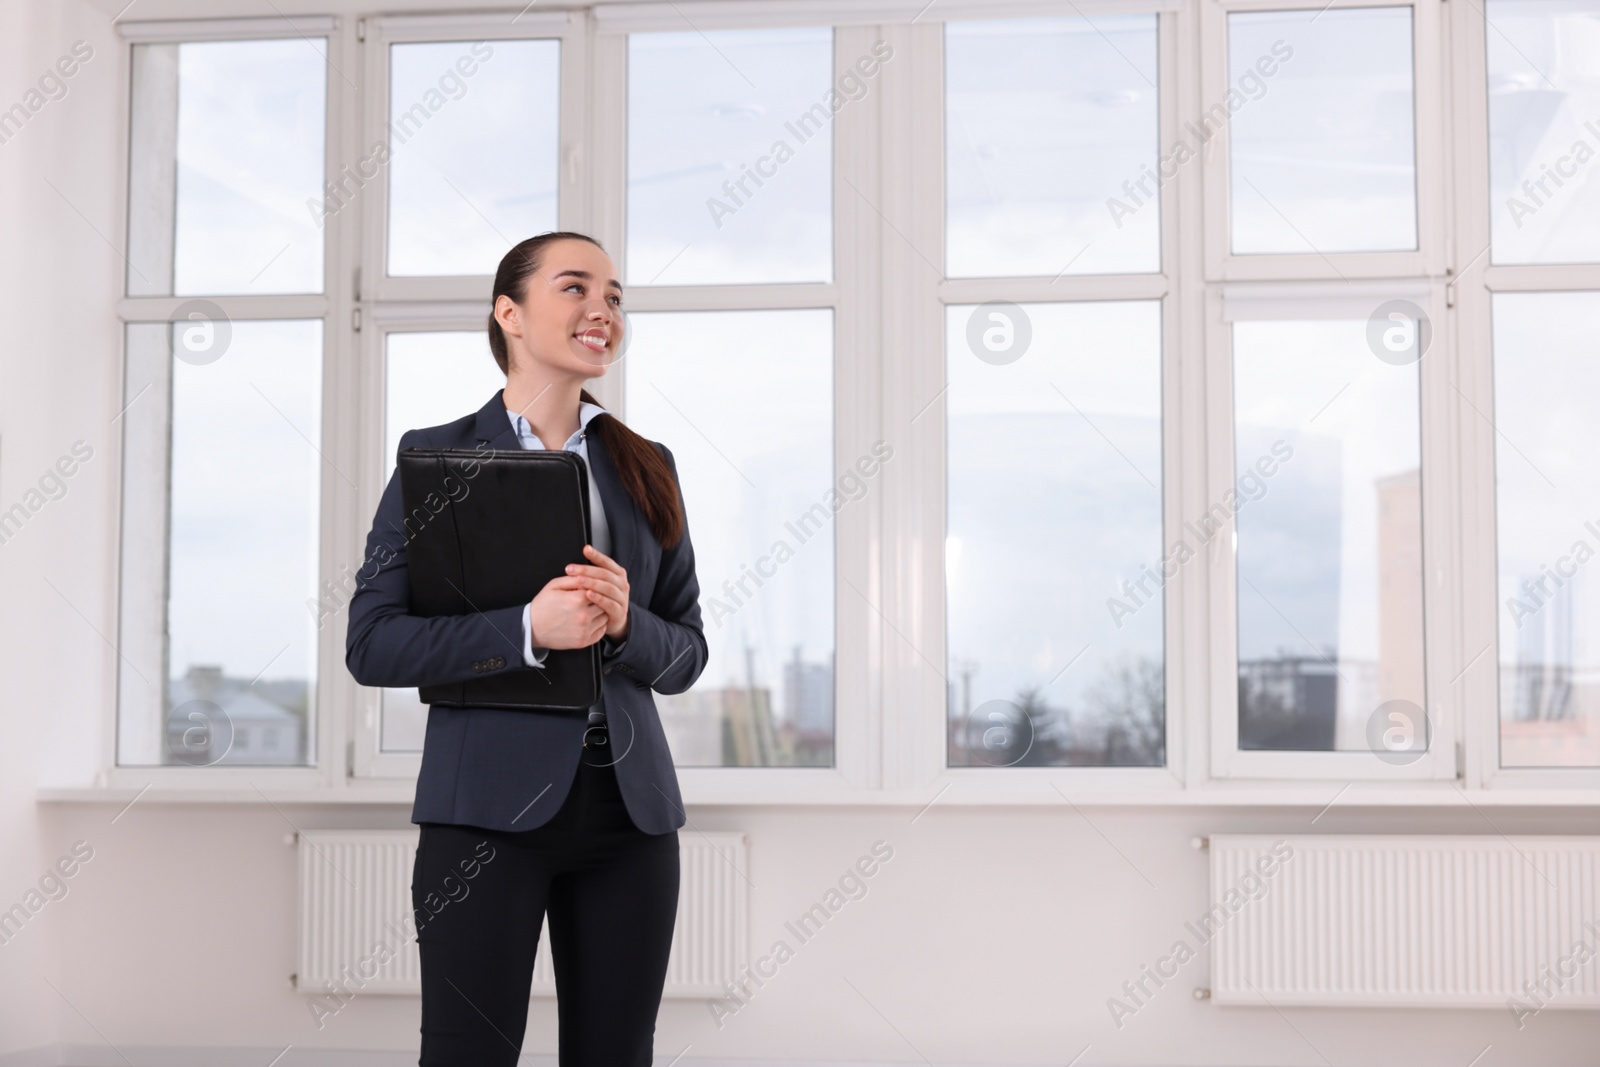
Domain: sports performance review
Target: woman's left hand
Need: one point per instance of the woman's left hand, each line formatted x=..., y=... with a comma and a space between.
x=606, y=585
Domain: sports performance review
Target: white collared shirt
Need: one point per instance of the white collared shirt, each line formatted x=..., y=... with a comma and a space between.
x=599, y=530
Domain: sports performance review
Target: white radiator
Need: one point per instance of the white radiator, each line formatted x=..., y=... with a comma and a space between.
x=357, y=931
x=1404, y=921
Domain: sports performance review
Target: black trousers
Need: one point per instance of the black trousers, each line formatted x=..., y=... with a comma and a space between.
x=479, y=896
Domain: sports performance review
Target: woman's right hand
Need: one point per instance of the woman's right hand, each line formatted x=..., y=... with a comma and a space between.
x=562, y=615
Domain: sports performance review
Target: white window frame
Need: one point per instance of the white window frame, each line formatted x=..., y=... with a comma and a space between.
x=1473, y=283
x=605, y=193
x=329, y=728
x=1428, y=123
x=385, y=305
x=1335, y=285
x=377, y=34
x=1246, y=302
x=889, y=329
x=916, y=693
x=855, y=386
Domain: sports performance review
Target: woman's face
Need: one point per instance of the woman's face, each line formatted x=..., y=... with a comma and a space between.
x=570, y=319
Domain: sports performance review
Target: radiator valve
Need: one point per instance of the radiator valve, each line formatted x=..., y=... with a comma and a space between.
x=1202, y=993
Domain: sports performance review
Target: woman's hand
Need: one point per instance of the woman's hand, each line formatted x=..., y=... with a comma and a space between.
x=564, y=616
x=605, y=585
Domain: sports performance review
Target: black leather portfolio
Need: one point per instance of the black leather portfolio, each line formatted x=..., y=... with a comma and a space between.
x=489, y=530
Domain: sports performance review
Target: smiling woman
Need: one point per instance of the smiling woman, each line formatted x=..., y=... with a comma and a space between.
x=588, y=827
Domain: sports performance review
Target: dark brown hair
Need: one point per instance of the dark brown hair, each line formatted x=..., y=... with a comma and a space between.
x=641, y=465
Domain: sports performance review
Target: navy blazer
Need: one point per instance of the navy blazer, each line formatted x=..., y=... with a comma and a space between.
x=511, y=770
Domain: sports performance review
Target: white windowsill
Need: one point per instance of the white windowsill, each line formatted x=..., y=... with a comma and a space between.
x=977, y=794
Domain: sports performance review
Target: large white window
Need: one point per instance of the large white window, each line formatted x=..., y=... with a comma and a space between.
x=1530, y=384
x=224, y=468
x=1052, y=406
x=1136, y=400
x=730, y=191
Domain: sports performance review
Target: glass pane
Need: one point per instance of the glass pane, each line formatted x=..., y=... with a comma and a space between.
x=760, y=486
x=464, y=186
x=1544, y=128
x=430, y=379
x=1321, y=130
x=227, y=153
x=1548, y=517
x=1044, y=117
x=730, y=154
x=1328, y=509
x=241, y=606
x=1055, y=440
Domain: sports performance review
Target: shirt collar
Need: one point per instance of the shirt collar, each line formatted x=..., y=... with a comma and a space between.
x=586, y=413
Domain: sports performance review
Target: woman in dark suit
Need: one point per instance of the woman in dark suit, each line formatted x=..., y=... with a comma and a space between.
x=525, y=814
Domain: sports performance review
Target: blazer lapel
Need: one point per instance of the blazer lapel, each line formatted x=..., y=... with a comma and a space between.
x=494, y=425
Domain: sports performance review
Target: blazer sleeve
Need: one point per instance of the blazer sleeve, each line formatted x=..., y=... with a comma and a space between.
x=666, y=645
x=387, y=646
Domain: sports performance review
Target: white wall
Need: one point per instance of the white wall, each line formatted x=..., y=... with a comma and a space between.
x=993, y=935
x=57, y=342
